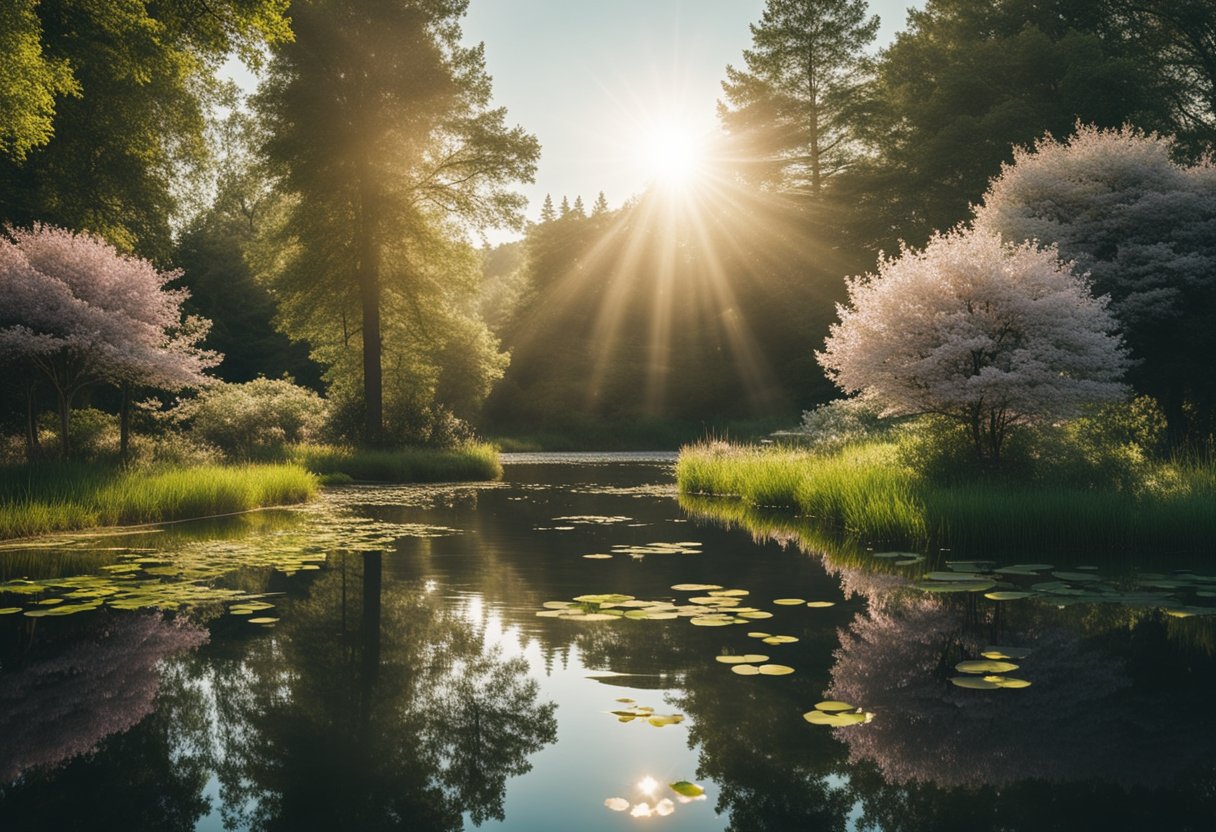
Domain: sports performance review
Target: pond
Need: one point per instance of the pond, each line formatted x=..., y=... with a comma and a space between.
x=576, y=648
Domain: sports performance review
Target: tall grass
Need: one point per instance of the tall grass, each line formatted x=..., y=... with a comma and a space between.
x=472, y=461
x=865, y=492
x=66, y=496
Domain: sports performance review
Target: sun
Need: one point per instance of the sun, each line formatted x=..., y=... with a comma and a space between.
x=672, y=153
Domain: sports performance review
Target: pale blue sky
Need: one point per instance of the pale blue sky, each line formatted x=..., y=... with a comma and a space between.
x=590, y=79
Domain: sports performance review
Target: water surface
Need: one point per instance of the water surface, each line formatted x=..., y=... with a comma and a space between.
x=376, y=661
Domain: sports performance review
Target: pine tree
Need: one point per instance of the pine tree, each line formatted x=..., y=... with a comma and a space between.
x=547, y=214
x=789, y=107
x=565, y=210
x=578, y=209
x=600, y=206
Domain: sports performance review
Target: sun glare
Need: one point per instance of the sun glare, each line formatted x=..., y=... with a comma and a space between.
x=672, y=154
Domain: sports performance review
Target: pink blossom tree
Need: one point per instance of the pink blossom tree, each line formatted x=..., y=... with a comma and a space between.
x=75, y=309
x=986, y=333
x=1141, y=224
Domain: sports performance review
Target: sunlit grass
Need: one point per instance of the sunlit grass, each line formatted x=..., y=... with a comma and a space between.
x=472, y=461
x=62, y=497
x=863, y=492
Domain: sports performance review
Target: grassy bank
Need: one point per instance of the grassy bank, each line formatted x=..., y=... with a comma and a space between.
x=52, y=497
x=865, y=493
x=474, y=461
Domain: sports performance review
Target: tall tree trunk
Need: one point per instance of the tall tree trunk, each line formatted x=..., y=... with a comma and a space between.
x=369, y=295
x=124, y=422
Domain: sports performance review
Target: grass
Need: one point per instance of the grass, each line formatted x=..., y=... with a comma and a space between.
x=473, y=461
x=53, y=497
x=865, y=493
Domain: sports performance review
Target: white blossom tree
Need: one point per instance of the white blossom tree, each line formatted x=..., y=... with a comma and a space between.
x=1144, y=227
x=989, y=334
x=78, y=311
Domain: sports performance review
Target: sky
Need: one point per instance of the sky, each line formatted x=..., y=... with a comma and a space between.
x=595, y=81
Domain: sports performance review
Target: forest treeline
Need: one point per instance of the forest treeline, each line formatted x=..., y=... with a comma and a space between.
x=324, y=228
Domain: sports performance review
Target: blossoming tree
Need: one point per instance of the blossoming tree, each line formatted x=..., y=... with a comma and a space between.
x=989, y=334
x=75, y=309
x=1144, y=227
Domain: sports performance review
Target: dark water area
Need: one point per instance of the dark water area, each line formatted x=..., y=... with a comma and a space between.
x=414, y=658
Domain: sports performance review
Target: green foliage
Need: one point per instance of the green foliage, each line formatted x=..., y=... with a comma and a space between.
x=254, y=418
x=104, y=112
x=44, y=498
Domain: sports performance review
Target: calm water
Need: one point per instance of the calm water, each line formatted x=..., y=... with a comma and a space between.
x=376, y=661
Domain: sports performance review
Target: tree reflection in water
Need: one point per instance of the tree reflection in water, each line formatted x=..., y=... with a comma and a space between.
x=373, y=710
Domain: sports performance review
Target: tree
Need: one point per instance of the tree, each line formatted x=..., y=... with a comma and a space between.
x=968, y=81
x=790, y=106
x=1142, y=226
x=600, y=206
x=577, y=209
x=78, y=311
x=385, y=145
x=989, y=334
x=564, y=211
x=104, y=107
x=547, y=214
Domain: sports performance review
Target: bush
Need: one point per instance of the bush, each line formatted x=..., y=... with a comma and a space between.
x=842, y=422
x=253, y=419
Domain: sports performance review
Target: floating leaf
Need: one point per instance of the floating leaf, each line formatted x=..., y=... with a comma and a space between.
x=789, y=602
x=973, y=682
x=9, y=610
x=658, y=721
x=758, y=635
x=626, y=699
x=985, y=666
x=1008, y=595
x=820, y=604
x=756, y=615
x=706, y=621
x=780, y=640
x=686, y=789
x=992, y=652
x=1007, y=682
x=775, y=670
x=745, y=669
x=841, y=720
x=832, y=706
x=695, y=587
x=597, y=557
x=262, y=620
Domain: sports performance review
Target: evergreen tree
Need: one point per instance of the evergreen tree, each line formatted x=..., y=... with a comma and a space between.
x=565, y=209
x=383, y=138
x=600, y=206
x=578, y=209
x=789, y=108
x=547, y=214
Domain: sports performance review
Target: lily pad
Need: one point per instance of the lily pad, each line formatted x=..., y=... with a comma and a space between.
x=985, y=666
x=820, y=604
x=789, y=602
x=695, y=587
x=973, y=683
x=775, y=670
x=1008, y=595
x=780, y=639
x=686, y=789
x=745, y=669
x=833, y=706
x=995, y=652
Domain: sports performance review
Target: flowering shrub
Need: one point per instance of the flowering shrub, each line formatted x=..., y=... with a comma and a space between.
x=253, y=418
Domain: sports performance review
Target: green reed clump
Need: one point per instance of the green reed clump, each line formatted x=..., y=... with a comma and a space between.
x=52, y=497
x=472, y=461
x=867, y=491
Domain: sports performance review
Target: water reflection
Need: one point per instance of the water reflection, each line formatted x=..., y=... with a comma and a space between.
x=367, y=707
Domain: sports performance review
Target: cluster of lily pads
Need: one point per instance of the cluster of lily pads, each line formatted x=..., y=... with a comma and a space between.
x=836, y=714
x=179, y=576
x=683, y=547
x=988, y=673
x=644, y=713
x=1177, y=594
